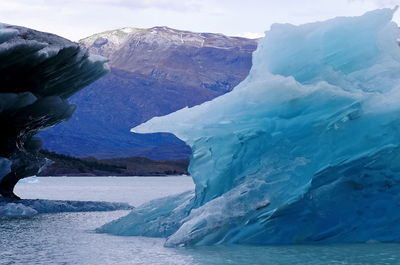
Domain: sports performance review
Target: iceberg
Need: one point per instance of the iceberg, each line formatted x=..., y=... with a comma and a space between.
x=305, y=150
x=38, y=72
x=26, y=208
x=157, y=218
x=5, y=167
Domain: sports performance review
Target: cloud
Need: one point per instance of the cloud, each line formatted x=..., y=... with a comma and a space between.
x=76, y=19
x=251, y=35
x=380, y=3
x=178, y=5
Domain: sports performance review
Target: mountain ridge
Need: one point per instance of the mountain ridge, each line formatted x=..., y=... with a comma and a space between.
x=154, y=72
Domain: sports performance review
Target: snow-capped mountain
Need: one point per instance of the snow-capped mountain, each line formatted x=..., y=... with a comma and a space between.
x=108, y=42
x=153, y=72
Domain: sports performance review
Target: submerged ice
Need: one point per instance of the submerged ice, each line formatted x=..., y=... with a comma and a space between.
x=305, y=150
x=12, y=208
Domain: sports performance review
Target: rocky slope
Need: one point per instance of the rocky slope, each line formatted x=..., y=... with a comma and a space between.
x=153, y=72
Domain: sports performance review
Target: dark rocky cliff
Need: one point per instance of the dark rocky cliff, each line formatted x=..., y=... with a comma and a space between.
x=38, y=72
x=153, y=72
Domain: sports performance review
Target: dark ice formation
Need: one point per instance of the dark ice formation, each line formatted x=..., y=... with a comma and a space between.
x=38, y=72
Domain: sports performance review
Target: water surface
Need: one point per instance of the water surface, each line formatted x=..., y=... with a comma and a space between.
x=68, y=238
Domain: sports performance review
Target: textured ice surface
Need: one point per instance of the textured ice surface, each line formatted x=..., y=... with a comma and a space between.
x=33, y=207
x=305, y=150
x=38, y=72
x=157, y=218
x=5, y=167
x=16, y=209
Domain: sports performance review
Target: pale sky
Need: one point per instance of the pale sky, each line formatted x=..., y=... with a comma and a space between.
x=76, y=19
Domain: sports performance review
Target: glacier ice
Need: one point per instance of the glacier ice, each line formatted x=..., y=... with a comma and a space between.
x=16, y=210
x=157, y=218
x=5, y=167
x=32, y=207
x=305, y=150
x=38, y=72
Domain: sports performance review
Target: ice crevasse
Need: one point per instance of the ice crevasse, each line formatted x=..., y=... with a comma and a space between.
x=305, y=150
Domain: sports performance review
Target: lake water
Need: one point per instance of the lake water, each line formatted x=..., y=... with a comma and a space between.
x=68, y=238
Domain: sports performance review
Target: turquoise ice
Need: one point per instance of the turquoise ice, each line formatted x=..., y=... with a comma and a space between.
x=305, y=150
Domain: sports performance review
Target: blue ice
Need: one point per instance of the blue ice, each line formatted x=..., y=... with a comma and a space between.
x=305, y=150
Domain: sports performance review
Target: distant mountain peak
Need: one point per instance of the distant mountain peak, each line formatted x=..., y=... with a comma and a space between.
x=154, y=71
x=108, y=41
